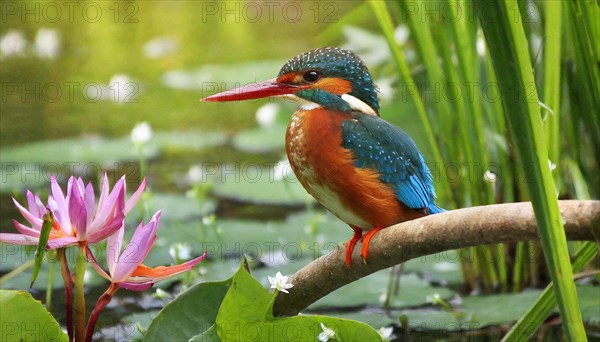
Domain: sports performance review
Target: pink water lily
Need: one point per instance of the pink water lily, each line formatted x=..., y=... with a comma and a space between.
x=76, y=217
x=126, y=269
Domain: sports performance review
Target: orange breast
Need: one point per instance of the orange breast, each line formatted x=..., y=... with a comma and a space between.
x=327, y=172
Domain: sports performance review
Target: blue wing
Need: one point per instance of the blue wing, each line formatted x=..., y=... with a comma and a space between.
x=377, y=144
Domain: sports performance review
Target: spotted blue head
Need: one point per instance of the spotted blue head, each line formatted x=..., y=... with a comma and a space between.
x=330, y=77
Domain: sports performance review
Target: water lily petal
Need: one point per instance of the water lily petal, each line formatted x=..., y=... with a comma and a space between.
x=53, y=206
x=96, y=266
x=113, y=249
x=77, y=211
x=137, y=249
x=159, y=273
x=134, y=286
x=132, y=201
x=107, y=206
x=109, y=229
x=18, y=239
x=90, y=202
x=36, y=208
x=61, y=212
x=61, y=242
x=103, y=192
x=26, y=230
x=36, y=222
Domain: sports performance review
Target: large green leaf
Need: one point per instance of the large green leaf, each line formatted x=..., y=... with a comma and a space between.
x=193, y=312
x=246, y=314
x=23, y=318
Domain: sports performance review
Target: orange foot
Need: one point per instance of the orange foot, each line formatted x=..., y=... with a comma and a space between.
x=350, y=248
x=364, y=251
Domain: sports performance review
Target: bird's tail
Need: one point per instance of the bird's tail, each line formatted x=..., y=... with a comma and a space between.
x=434, y=209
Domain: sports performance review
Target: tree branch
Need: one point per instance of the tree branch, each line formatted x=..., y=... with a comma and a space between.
x=432, y=234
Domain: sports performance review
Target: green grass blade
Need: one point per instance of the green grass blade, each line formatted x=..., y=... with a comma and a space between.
x=508, y=47
x=546, y=302
x=587, y=73
x=518, y=267
x=468, y=64
x=421, y=32
x=387, y=27
x=552, y=81
x=459, y=115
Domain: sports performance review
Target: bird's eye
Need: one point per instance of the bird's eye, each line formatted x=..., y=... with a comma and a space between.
x=311, y=76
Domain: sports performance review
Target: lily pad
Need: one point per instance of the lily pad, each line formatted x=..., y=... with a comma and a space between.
x=441, y=267
x=372, y=290
x=76, y=152
x=188, y=140
x=174, y=208
x=589, y=301
x=429, y=319
x=485, y=311
x=276, y=243
x=31, y=165
x=240, y=74
x=256, y=184
x=261, y=140
x=25, y=319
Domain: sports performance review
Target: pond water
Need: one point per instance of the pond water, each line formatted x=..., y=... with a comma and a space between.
x=77, y=78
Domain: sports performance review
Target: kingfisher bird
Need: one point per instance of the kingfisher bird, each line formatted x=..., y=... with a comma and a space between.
x=364, y=170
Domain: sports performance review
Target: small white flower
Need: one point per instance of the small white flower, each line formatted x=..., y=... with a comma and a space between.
x=121, y=89
x=266, y=114
x=434, y=298
x=209, y=220
x=327, y=334
x=141, y=133
x=196, y=174
x=47, y=43
x=13, y=43
x=489, y=176
x=160, y=47
x=161, y=294
x=386, y=333
x=180, y=251
x=401, y=34
x=551, y=165
x=280, y=282
x=282, y=170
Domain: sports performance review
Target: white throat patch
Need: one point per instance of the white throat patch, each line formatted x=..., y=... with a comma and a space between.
x=354, y=103
x=358, y=105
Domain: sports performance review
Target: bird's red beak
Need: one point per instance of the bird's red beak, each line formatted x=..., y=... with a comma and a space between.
x=254, y=91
